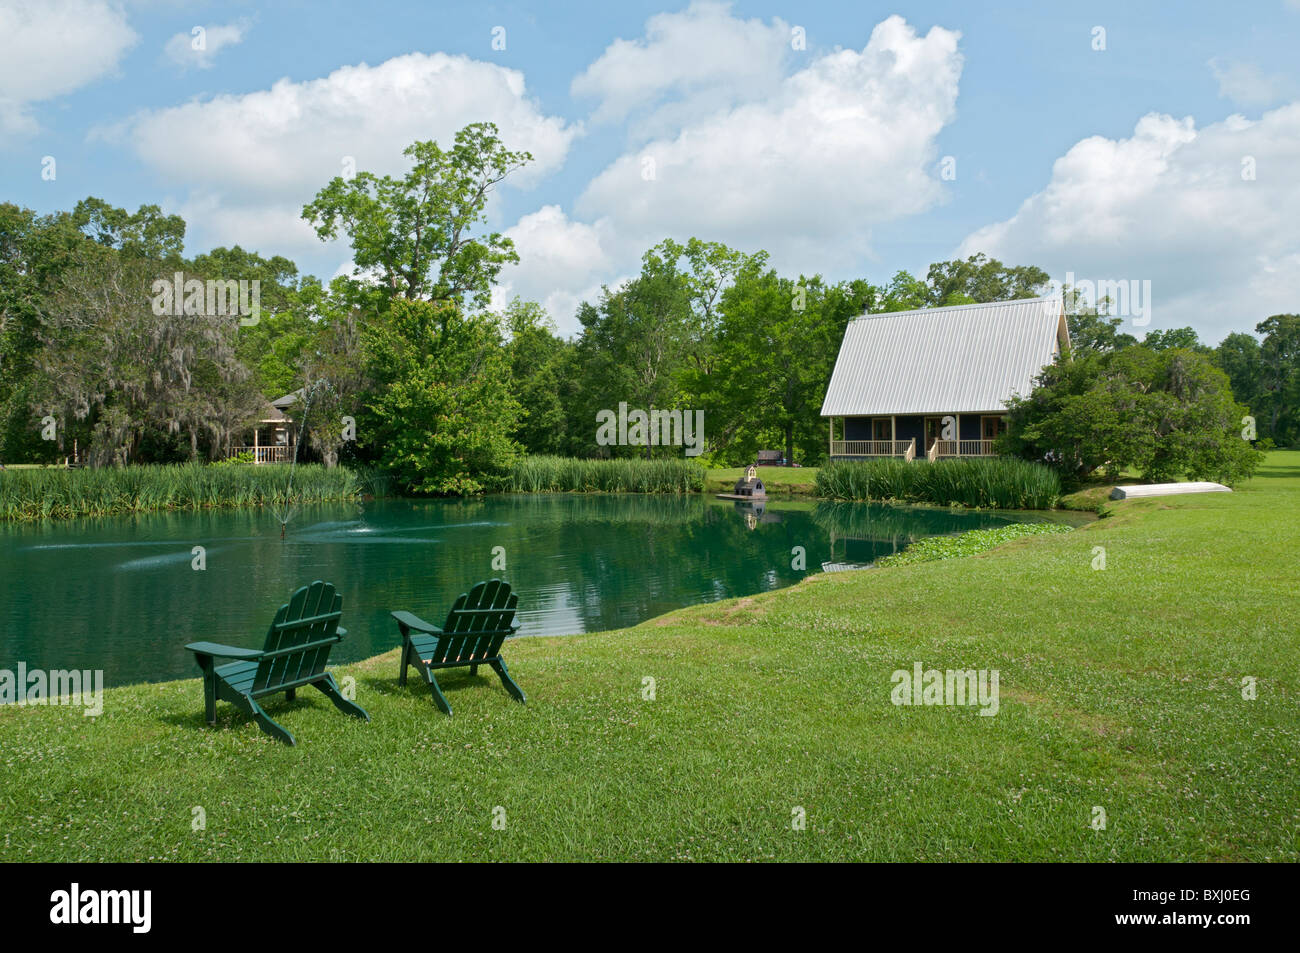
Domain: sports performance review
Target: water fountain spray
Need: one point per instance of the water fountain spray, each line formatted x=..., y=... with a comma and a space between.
x=290, y=508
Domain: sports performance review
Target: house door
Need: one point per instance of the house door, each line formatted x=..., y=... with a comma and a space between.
x=992, y=426
x=933, y=428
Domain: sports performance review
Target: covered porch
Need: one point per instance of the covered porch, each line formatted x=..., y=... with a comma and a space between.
x=275, y=437
x=915, y=436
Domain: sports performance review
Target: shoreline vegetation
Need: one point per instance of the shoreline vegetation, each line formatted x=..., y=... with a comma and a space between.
x=34, y=493
x=1000, y=483
x=31, y=494
x=1198, y=595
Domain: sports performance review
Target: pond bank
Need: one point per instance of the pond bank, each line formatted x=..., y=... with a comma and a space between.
x=1120, y=687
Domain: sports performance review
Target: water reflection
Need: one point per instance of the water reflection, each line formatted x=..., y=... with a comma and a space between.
x=121, y=594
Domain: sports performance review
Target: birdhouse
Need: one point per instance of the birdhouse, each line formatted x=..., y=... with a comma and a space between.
x=750, y=487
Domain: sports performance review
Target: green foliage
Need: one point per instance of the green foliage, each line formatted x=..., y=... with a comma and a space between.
x=545, y=474
x=1169, y=414
x=1174, y=337
x=967, y=544
x=1279, y=378
x=441, y=413
x=58, y=493
x=776, y=346
x=539, y=372
x=416, y=231
x=235, y=459
x=996, y=482
x=980, y=279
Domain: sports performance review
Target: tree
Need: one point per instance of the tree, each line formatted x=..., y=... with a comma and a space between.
x=777, y=348
x=634, y=345
x=145, y=234
x=1280, y=376
x=416, y=233
x=1174, y=337
x=979, y=279
x=1091, y=328
x=111, y=368
x=1169, y=414
x=538, y=371
x=34, y=252
x=1238, y=356
x=441, y=413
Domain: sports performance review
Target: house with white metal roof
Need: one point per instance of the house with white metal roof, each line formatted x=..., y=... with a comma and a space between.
x=935, y=382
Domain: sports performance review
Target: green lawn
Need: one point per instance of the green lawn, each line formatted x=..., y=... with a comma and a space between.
x=1120, y=689
x=777, y=480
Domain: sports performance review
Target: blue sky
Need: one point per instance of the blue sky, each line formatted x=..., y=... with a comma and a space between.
x=1123, y=163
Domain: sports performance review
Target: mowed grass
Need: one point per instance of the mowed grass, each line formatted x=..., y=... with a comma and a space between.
x=776, y=480
x=1121, y=689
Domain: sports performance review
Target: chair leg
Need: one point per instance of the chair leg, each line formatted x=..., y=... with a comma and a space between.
x=406, y=660
x=210, y=698
x=439, y=698
x=269, y=725
x=290, y=694
x=473, y=671
x=499, y=666
x=331, y=690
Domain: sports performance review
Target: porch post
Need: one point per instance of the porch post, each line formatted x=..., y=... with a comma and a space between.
x=959, y=435
x=255, y=454
x=830, y=440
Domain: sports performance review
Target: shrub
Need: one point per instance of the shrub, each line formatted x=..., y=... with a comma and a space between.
x=997, y=482
x=544, y=474
x=33, y=494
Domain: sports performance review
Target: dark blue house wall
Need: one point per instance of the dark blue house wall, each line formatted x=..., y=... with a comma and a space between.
x=908, y=427
x=857, y=428
x=912, y=425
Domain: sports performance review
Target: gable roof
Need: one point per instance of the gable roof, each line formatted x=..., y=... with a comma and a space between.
x=289, y=399
x=961, y=359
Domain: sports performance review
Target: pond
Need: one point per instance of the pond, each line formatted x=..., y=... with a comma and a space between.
x=123, y=594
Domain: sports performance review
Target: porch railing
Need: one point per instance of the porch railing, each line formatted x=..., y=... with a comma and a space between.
x=962, y=448
x=275, y=453
x=908, y=450
x=872, y=448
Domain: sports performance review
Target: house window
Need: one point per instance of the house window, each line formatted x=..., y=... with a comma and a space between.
x=990, y=427
x=881, y=428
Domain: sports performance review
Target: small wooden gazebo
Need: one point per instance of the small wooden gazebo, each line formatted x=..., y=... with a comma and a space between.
x=276, y=433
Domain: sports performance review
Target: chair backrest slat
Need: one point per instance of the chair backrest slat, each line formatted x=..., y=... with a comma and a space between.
x=310, y=616
x=478, y=622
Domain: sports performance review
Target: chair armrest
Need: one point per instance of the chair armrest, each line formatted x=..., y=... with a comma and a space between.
x=218, y=650
x=414, y=622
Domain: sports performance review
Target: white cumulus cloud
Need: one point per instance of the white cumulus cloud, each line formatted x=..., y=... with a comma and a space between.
x=254, y=159
x=199, y=47
x=1207, y=215
x=701, y=58
x=561, y=264
x=48, y=48
x=843, y=144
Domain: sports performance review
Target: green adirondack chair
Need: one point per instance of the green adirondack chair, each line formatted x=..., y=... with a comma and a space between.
x=296, y=650
x=477, y=624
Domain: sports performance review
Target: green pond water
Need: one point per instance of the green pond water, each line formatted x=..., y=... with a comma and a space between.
x=122, y=594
